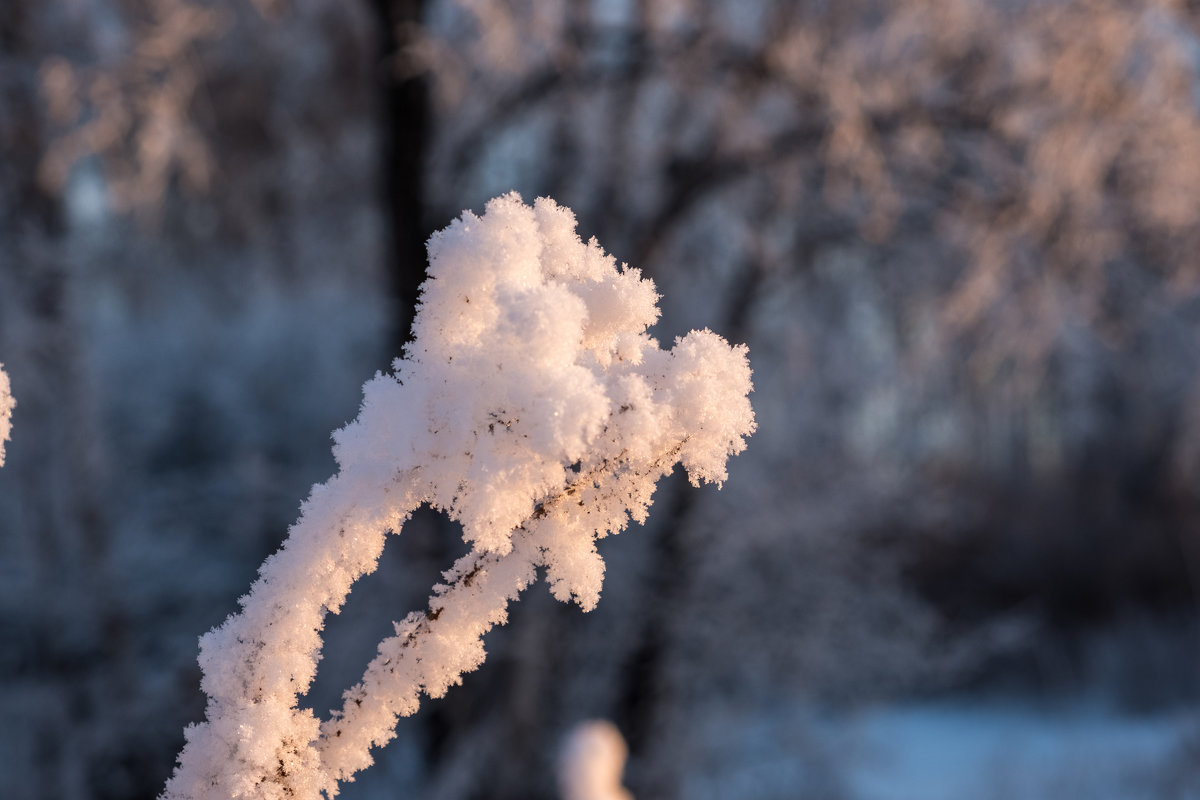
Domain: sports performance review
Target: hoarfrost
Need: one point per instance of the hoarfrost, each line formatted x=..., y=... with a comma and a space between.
x=533, y=408
x=7, y=404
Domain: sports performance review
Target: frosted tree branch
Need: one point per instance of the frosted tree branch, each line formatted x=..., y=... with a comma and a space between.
x=533, y=408
x=7, y=404
x=479, y=587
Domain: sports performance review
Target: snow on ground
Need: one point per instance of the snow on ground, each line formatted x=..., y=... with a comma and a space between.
x=964, y=750
x=936, y=751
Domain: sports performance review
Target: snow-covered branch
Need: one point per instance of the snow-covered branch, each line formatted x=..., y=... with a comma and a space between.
x=533, y=408
x=7, y=404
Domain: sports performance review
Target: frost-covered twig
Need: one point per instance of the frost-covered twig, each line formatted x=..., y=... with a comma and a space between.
x=432, y=649
x=534, y=409
x=7, y=404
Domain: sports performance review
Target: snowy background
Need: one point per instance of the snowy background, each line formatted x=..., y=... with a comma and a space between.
x=961, y=556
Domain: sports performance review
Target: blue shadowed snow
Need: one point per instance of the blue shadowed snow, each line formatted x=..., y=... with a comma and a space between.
x=969, y=750
x=930, y=752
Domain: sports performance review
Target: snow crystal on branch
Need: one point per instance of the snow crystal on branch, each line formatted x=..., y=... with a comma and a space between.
x=7, y=404
x=533, y=408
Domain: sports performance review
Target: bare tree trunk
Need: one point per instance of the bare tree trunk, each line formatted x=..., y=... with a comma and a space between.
x=405, y=119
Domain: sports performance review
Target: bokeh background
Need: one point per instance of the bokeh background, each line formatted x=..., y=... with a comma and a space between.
x=961, y=556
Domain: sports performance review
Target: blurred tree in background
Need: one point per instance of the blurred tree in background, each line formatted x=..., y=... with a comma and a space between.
x=958, y=236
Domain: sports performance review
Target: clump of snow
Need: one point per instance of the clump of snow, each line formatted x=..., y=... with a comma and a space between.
x=534, y=408
x=592, y=763
x=7, y=404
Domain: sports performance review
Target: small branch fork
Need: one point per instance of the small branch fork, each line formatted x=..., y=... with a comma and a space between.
x=486, y=582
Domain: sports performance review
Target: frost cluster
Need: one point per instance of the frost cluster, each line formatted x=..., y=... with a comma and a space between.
x=7, y=404
x=533, y=408
x=592, y=763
